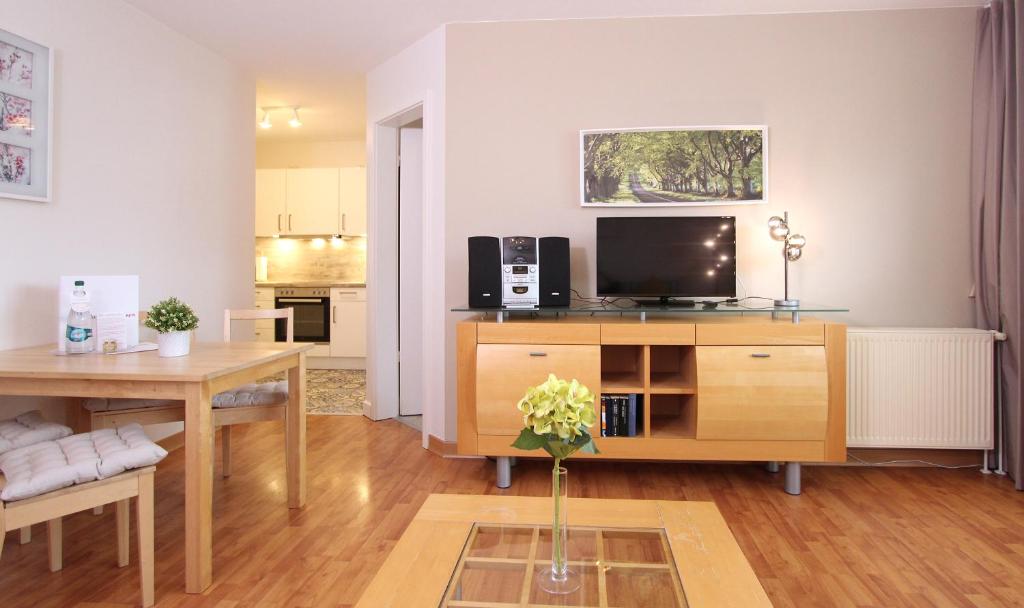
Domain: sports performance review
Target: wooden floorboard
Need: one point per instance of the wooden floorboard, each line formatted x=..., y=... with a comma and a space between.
x=856, y=537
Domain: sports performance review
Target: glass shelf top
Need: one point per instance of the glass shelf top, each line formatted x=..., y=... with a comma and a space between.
x=623, y=306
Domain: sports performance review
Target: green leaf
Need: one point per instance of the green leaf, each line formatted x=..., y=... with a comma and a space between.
x=590, y=447
x=528, y=440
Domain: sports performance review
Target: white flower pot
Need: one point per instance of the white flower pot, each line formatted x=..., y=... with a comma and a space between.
x=174, y=343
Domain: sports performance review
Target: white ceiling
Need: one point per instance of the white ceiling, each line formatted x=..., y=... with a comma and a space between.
x=315, y=53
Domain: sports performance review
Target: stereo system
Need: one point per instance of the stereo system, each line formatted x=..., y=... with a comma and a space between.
x=518, y=271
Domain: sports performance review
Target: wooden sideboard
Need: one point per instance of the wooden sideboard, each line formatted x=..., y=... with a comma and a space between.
x=732, y=388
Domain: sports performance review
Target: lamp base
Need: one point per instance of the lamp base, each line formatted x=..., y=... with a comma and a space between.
x=787, y=303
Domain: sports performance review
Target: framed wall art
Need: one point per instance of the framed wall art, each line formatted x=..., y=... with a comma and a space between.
x=673, y=166
x=26, y=118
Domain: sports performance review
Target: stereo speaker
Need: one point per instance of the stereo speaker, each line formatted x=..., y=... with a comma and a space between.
x=554, y=271
x=484, y=272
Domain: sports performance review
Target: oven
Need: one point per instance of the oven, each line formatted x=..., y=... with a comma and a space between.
x=312, y=307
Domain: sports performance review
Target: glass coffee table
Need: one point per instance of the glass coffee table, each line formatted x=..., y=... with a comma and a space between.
x=621, y=567
x=463, y=551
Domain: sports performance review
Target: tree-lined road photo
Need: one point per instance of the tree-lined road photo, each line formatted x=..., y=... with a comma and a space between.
x=677, y=167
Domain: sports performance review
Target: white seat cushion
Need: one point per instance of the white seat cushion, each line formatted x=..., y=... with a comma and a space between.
x=102, y=404
x=27, y=429
x=268, y=393
x=52, y=465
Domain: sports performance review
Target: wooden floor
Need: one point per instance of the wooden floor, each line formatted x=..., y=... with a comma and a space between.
x=856, y=537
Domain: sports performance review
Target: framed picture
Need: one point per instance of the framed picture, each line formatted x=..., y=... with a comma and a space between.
x=26, y=118
x=673, y=166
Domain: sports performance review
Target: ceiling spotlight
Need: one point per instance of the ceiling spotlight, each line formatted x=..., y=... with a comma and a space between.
x=265, y=123
x=709, y=243
x=294, y=122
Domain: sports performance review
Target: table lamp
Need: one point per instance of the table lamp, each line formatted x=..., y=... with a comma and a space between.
x=792, y=249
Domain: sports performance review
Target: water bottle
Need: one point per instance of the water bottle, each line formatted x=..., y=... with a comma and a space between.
x=80, y=333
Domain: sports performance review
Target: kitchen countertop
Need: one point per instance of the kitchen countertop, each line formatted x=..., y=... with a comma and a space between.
x=309, y=284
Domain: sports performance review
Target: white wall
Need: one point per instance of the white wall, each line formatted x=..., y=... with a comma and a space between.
x=869, y=131
x=153, y=171
x=287, y=154
x=414, y=77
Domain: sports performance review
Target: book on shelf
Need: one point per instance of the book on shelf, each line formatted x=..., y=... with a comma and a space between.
x=621, y=415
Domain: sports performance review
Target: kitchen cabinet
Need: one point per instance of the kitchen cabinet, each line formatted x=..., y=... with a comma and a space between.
x=312, y=196
x=352, y=204
x=264, y=300
x=348, y=322
x=271, y=206
x=311, y=201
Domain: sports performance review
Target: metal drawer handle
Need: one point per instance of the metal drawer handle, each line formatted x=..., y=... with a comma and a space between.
x=538, y=354
x=346, y=293
x=760, y=355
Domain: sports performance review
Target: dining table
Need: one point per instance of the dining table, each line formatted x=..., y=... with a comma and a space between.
x=210, y=368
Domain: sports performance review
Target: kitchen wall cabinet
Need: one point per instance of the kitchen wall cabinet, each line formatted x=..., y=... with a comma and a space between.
x=348, y=322
x=319, y=201
x=352, y=207
x=312, y=201
x=271, y=205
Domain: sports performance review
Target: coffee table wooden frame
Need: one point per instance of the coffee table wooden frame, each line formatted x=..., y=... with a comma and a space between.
x=712, y=568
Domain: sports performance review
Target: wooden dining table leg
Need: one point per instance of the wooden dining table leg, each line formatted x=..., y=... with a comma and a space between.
x=198, y=488
x=295, y=434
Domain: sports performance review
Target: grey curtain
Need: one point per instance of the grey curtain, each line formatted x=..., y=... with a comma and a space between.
x=997, y=215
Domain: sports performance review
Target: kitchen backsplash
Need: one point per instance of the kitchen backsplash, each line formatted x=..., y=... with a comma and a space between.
x=340, y=260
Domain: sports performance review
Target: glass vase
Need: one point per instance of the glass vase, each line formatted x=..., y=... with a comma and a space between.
x=558, y=578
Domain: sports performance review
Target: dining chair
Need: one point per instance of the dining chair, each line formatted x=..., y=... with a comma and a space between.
x=46, y=481
x=24, y=430
x=257, y=402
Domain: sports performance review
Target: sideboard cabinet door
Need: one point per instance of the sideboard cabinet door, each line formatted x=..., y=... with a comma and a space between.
x=762, y=392
x=505, y=371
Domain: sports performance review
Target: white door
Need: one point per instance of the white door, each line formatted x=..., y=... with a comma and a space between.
x=348, y=322
x=410, y=272
x=271, y=191
x=312, y=201
x=353, y=200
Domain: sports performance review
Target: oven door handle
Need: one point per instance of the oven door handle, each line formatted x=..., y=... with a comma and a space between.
x=300, y=301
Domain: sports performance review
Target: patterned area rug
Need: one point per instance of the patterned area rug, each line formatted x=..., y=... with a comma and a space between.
x=333, y=392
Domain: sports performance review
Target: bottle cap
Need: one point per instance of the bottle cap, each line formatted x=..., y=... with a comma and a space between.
x=79, y=283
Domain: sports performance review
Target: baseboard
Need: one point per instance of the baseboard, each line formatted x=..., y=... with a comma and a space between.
x=911, y=457
x=446, y=449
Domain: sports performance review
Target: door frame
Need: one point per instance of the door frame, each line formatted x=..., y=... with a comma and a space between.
x=382, y=375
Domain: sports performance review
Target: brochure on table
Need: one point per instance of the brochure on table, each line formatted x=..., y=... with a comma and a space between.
x=113, y=300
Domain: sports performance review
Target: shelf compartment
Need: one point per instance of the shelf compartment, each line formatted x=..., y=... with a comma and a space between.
x=673, y=370
x=622, y=369
x=673, y=416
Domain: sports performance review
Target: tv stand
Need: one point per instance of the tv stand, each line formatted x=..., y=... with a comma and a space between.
x=663, y=301
x=714, y=386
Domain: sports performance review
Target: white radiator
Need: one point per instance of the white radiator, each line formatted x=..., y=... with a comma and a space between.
x=920, y=388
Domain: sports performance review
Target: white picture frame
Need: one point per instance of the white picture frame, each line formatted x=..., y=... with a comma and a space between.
x=26, y=119
x=637, y=193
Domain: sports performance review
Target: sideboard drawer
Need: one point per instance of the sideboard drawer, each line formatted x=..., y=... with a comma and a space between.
x=744, y=334
x=538, y=333
x=505, y=371
x=762, y=392
x=647, y=333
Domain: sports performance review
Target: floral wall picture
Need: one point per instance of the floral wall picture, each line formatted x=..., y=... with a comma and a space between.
x=26, y=111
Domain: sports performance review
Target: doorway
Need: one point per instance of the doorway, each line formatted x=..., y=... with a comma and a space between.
x=410, y=270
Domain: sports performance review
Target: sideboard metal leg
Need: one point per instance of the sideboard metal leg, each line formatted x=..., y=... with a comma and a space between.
x=793, y=478
x=772, y=466
x=505, y=472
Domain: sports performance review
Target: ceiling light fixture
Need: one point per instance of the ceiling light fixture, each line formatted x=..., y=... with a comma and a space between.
x=293, y=122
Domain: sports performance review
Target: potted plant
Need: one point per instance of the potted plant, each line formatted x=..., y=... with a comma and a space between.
x=174, y=320
x=556, y=415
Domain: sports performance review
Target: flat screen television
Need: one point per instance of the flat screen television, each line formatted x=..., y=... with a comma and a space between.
x=666, y=257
